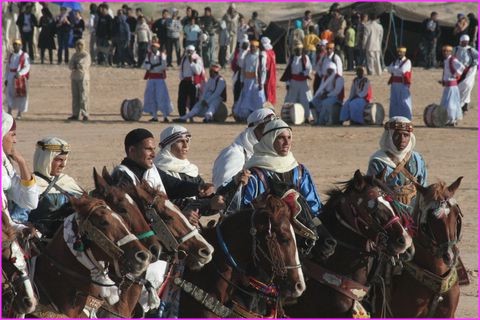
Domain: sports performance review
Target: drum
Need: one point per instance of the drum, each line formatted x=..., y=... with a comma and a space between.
x=373, y=114
x=435, y=115
x=293, y=113
x=335, y=114
x=131, y=110
x=221, y=114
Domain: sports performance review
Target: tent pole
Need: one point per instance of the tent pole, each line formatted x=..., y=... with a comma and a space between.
x=287, y=35
x=388, y=34
x=401, y=32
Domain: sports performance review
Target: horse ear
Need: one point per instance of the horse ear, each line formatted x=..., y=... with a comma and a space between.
x=421, y=189
x=381, y=175
x=358, y=181
x=106, y=175
x=454, y=186
x=100, y=183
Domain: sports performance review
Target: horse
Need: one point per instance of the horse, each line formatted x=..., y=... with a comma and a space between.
x=255, y=264
x=17, y=291
x=362, y=218
x=429, y=285
x=71, y=271
x=175, y=232
x=124, y=205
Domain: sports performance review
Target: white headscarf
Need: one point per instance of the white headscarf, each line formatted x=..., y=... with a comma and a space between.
x=7, y=168
x=327, y=82
x=387, y=145
x=46, y=150
x=166, y=161
x=264, y=154
x=266, y=43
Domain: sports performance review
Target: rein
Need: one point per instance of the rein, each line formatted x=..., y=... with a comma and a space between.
x=162, y=231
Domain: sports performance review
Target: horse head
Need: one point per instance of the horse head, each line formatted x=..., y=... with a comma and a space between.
x=175, y=232
x=365, y=207
x=439, y=220
x=124, y=205
x=17, y=289
x=274, y=243
x=108, y=237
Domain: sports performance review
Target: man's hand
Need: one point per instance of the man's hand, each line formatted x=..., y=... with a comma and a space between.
x=193, y=216
x=242, y=177
x=205, y=190
x=17, y=156
x=217, y=203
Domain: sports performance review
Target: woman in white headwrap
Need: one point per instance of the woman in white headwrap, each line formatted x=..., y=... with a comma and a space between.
x=397, y=151
x=54, y=186
x=18, y=190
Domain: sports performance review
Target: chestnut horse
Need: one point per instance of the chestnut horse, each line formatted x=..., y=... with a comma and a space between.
x=92, y=238
x=17, y=291
x=428, y=285
x=255, y=265
x=363, y=220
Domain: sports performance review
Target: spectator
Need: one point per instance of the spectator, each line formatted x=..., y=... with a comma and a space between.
x=160, y=29
x=188, y=14
x=461, y=27
x=80, y=66
x=144, y=37
x=473, y=30
x=78, y=26
x=307, y=21
x=64, y=26
x=103, y=34
x=310, y=43
x=431, y=35
x=241, y=30
x=296, y=36
x=192, y=34
x=350, y=45
x=359, y=35
x=26, y=23
x=373, y=45
x=46, y=39
x=174, y=28
x=232, y=18
x=121, y=38
x=223, y=42
x=91, y=25
x=337, y=25
x=258, y=25
x=209, y=25
x=132, y=24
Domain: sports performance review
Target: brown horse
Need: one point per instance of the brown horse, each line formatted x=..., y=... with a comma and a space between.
x=124, y=205
x=175, y=232
x=17, y=291
x=255, y=264
x=428, y=286
x=92, y=235
x=363, y=220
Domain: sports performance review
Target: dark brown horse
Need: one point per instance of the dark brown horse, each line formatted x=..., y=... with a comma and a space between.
x=428, y=286
x=94, y=234
x=17, y=291
x=255, y=264
x=363, y=220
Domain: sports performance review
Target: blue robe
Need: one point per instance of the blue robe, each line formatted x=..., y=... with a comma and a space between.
x=400, y=101
x=255, y=187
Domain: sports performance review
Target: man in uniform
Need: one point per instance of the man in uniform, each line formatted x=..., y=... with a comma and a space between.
x=16, y=79
x=192, y=76
x=452, y=70
x=400, y=81
x=468, y=56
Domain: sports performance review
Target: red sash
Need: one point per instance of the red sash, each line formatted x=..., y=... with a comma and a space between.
x=20, y=83
x=405, y=79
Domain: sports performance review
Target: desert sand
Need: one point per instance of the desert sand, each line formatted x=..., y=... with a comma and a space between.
x=332, y=154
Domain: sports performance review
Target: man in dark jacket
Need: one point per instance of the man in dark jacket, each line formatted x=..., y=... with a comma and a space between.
x=121, y=38
x=159, y=27
x=26, y=23
x=103, y=33
x=431, y=35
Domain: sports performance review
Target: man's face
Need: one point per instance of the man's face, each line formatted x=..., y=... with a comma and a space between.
x=208, y=13
x=143, y=154
x=180, y=148
x=16, y=47
x=435, y=17
x=298, y=51
x=446, y=53
x=9, y=141
x=329, y=50
x=212, y=73
x=463, y=43
x=283, y=143
x=79, y=47
x=253, y=48
x=400, y=54
x=164, y=14
x=401, y=139
x=360, y=72
x=58, y=164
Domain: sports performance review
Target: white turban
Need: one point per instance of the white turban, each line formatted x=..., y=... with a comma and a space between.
x=323, y=42
x=266, y=43
x=190, y=47
x=46, y=150
x=387, y=145
x=464, y=37
x=264, y=154
x=166, y=161
x=260, y=116
x=332, y=65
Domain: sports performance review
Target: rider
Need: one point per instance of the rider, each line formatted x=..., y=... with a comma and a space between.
x=54, y=186
x=274, y=169
x=403, y=166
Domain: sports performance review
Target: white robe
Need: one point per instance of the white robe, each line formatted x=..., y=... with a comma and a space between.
x=156, y=97
x=212, y=95
x=451, y=95
x=298, y=91
x=19, y=103
x=465, y=87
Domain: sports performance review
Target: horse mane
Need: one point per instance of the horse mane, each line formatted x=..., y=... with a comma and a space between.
x=336, y=193
x=8, y=232
x=146, y=186
x=439, y=190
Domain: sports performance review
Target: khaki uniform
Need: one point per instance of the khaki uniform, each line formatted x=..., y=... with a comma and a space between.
x=80, y=65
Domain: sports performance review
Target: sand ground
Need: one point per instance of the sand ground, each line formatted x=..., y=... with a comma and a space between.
x=331, y=154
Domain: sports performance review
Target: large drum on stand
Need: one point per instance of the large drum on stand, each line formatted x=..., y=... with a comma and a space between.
x=435, y=115
x=293, y=113
x=131, y=110
x=374, y=114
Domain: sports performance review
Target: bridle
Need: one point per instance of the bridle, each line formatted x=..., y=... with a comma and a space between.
x=170, y=242
x=438, y=208
x=110, y=248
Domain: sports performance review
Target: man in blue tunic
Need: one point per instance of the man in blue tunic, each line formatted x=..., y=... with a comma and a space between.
x=403, y=166
x=273, y=165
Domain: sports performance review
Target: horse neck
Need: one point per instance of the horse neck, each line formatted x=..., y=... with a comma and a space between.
x=128, y=299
